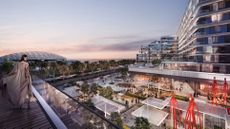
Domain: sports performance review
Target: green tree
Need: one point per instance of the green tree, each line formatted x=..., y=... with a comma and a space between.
x=103, y=64
x=112, y=63
x=124, y=72
x=107, y=92
x=94, y=88
x=142, y=123
x=86, y=66
x=126, y=62
x=88, y=125
x=92, y=67
x=89, y=103
x=53, y=68
x=116, y=119
x=64, y=70
x=85, y=88
x=77, y=66
x=6, y=66
x=156, y=61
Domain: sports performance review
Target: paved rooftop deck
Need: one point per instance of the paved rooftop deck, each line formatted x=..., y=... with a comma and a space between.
x=25, y=118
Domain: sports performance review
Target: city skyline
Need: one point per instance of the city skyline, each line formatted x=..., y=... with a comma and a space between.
x=86, y=29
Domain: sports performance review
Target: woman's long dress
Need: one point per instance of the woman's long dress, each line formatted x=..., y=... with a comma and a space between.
x=19, y=84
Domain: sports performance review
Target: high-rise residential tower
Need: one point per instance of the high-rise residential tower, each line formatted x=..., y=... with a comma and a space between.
x=204, y=36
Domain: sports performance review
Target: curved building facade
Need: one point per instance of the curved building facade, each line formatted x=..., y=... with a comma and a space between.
x=204, y=35
x=33, y=56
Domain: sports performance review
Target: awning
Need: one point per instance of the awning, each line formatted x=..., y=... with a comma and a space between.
x=205, y=108
x=154, y=116
x=157, y=103
x=106, y=105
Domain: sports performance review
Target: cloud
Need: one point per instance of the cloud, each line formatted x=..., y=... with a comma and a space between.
x=88, y=50
x=121, y=37
x=123, y=46
x=127, y=46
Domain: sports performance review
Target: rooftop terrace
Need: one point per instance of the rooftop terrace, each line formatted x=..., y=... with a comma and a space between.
x=180, y=73
x=50, y=108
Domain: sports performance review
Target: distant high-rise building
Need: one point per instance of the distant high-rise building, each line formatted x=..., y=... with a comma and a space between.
x=158, y=49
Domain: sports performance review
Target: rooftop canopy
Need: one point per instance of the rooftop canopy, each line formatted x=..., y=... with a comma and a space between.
x=106, y=105
x=33, y=56
x=154, y=116
x=203, y=107
x=156, y=103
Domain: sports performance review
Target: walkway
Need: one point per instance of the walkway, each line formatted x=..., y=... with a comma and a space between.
x=25, y=118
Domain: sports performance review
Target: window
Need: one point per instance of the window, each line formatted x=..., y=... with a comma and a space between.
x=210, y=40
x=223, y=28
x=227, y=3
x=226, y=16
x=199, y=50
x=207, y=8
x=222, y=49
x=207, y=58
x=204, y=20
x=221, y=39
x=202, y=41
x=214, y=39
x=199, y=58
x=228, y=28
x=224, y=58
x=221, y=5
x=215, y=6
x=216, y=69
x=226, y=38
x=208, y=49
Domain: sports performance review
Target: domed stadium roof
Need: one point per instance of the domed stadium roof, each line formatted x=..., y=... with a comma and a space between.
x=33, y=56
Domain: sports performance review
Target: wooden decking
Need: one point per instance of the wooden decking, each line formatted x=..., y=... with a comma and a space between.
x=33, y=118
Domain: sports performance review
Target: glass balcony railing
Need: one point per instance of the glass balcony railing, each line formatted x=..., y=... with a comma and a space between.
x=72, y=113
x=204, y=1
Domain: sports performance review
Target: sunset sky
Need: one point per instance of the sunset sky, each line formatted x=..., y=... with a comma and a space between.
x=86, y=29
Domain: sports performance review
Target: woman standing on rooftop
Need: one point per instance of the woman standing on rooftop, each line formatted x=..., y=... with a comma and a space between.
x=18, y=83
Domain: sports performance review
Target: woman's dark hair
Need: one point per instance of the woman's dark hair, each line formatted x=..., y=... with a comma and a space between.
x=23, y=57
